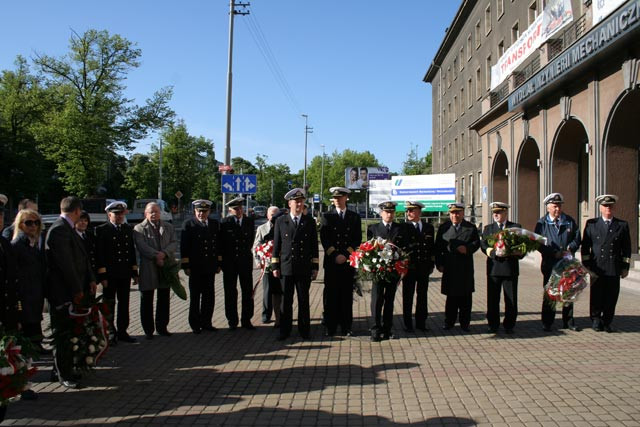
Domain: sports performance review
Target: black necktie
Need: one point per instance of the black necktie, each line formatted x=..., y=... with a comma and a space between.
x=83, y=236
x=388, y=226
x=341, y=214
x=607, y=222
x=295, y=221
x=501, y=226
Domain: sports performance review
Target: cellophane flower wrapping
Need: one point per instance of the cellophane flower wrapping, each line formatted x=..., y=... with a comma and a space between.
x=169, y=277
x=515, y=241
x=16, y=358
x=264, y=253
x=81, y=336
x=380, y=260
x=568, y=279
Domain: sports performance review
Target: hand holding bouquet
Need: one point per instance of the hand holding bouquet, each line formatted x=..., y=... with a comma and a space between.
x=264, y=253
x=515, y=242
x=379, y=259
x=568, y=279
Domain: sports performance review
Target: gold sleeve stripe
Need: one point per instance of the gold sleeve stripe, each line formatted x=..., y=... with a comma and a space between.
x=276, y=260
x=627, y=260
x=134, y=267
x=102, y=270
x=184, y=260
x=331, y=250
x=220, y=258
x=315, y=260
x=350, y=249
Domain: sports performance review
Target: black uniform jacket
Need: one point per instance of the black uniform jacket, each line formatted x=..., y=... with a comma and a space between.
x=606, y=251
x=10, y=306
x=115, y=252
x=379, y=230
x=90, y=244
x=339, y=236
x=199, y=245
x=420, y=246
x=295, y=250
x=236, y=242
x=457, y=276
x=567, y=237
x=499, y=266
x=68, y=267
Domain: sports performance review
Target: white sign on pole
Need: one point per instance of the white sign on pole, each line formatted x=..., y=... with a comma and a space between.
x=600, y=9
x=435, y=191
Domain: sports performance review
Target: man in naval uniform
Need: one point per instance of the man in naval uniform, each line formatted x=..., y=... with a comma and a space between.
x=606, y=251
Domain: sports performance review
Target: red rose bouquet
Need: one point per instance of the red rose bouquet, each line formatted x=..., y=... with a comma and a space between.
x=264, y=253
x=568, y=279
x=15, y=366
x=515, y=242
x=379, y=259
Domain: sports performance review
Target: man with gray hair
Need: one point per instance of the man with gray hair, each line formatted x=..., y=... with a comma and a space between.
x=156, y=243
x=271, y=288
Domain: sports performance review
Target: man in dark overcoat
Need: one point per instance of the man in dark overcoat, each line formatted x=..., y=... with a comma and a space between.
x=295, y=261
x=340, y=235
x=10, y=308
x=502, y=273
x=117, y=266
x=563, y=238
x=237, y=232
x=383, y=292
x=68, y=273
x=456, y=242
x=200, y=261
x=419, y=243
x=606, y=251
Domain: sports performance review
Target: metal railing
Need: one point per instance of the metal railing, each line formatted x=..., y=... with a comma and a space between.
x=499, y=93
x=528, y=70
x=565, y=38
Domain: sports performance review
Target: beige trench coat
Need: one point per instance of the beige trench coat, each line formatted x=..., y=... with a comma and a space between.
x=148, y=247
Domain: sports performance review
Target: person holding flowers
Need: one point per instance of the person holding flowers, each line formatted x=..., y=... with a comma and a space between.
x=606, y=251
x=383, y=292
x=456, y=242
x=418, y=243
x=295, y=262
x=563, y=238
x=271, y=288
x=502, y=271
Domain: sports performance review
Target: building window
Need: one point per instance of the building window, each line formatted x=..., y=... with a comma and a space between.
x=478, y=35
x=443, y=163
x=461, y=58
x=462, y=100
x=469, y=48
x=487, y=20
x=471, y=201
x=488, y=72
x=455, y=108
x=469, y=92
x=450, y=154
x=462, y=145
x=449, y=77
x=449, y=114
x=533, y=11
x=499, y=8
x=515, y=33
x=455, y=150
x=455, y=68
x=479, y=199
x=501, y=48
x=479, y=141
x=461, y=190
x=470, y=141
x=478, y=83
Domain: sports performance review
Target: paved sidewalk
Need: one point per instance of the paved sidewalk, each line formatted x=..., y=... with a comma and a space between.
x=247, y=378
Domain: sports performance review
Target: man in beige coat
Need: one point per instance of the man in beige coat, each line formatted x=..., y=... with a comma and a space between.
x=156, y=244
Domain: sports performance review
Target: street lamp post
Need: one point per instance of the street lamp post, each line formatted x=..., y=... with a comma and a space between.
x=307, y=131
x=322, y=180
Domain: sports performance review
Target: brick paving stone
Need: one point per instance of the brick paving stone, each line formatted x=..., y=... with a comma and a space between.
x=439, y=378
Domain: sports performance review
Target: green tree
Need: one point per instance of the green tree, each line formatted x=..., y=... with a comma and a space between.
x=279, y=174
x=24, y=171
x=417, y=166
x=92, y=118
x=141, y=177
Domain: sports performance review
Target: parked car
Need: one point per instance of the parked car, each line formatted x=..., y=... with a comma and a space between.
x=136, y=212
x=260, y=211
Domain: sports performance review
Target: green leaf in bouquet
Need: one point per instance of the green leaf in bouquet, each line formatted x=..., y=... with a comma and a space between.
x=169, y=278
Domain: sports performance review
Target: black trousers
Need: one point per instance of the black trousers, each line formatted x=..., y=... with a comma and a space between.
x=201, y=298
x=230, y=280
x=603, y=298
x=62, y=357
x=414, y=283
x=549, y=310
x=458, y=305
x=270, y=287
x=300, y=286
x=382, y=297
x=162, y=310
x=120, y=288
x=338, y=282
x=496, y=284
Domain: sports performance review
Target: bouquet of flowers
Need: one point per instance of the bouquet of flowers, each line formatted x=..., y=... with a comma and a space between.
x=515, y=241
x=169, y=277
x=379, y=259
x=81, y=334
x=264, y=252
x=568, y=278
x=15, y=366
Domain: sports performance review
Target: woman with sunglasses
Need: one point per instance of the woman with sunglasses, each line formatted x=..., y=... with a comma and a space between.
x=29, y=249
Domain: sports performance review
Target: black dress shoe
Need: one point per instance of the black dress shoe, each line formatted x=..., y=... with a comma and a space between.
x=148, y=336
x=196, y=331
x=282, y=337
x=348, y=333
x=305, y=336
x=409, y=330
x=446, y=326
x=546, y=328
x=574, y=328
x=29, y=395
x=233, y=327
x=329, y=333
x=509, y=330
x=376, y=337
x=387, y=336
x=209, y=328
x=423, y=328
x=54, y=375
x=266, y=321
x=127, y=338
x=465, y=328
x=248, y=326
x=164, y=333
x=609, y=329
x=491, y=330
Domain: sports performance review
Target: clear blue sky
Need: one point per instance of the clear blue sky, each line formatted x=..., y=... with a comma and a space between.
x=354, y=67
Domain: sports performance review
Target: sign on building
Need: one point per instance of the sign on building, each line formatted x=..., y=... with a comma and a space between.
x=435, y=191
x=357, y=178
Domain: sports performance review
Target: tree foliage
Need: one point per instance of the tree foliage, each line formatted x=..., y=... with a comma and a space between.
x=417, y=166
x=91, y=119
x=279, y=174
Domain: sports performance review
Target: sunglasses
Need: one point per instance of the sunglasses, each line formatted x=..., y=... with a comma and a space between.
x=31, y=223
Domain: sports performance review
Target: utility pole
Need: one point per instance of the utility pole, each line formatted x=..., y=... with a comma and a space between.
x=307, y=131
x=242, y=10
x=160, y=171
x=322, y=180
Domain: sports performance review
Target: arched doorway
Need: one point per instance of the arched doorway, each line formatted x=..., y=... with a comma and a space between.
x=528, y=171
x=500, y=178
x=621, y=145
x=570, y=167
